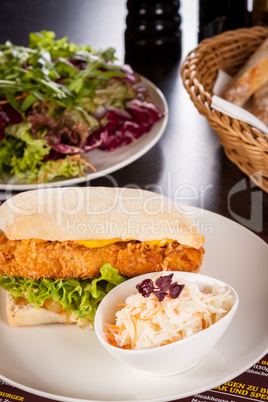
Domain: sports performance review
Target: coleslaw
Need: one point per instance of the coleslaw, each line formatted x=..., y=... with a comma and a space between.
x=145, y=322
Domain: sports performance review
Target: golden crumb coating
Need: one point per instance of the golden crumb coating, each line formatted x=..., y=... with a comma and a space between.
x=37, y=259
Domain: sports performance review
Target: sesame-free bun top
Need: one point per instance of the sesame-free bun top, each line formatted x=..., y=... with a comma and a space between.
x=96, y=213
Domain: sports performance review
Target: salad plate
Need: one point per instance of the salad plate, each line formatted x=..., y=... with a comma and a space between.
x=30, y=356
x=106, y=162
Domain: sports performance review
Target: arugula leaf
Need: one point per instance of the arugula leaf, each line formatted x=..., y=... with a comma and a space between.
x=28, y=102
x=38, y=67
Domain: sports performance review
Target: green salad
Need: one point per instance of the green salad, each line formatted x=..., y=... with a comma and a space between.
x=58, y=101
x=79, y=297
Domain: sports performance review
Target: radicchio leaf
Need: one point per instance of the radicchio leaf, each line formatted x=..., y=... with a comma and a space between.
x=96, y=140
x=144, y=112
x=41, y=120
x=62, y=140
x=123, y=127
x=3, y=116
x=79, y=64
x=52, y=156
x=2, y=131
x=130, y=76
x=9, y=115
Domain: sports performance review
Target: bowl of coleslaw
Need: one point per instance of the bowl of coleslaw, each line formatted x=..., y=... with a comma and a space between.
x=164, y=323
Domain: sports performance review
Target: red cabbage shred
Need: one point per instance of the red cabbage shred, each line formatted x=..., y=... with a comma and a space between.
x=164, y=286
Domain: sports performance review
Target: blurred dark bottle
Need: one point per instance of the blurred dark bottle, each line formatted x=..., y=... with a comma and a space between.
x=217, y=16
x=260, y=12
x=153, y=34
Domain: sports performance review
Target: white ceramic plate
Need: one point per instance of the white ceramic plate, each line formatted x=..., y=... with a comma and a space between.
x=66, y=363
x=107, y=162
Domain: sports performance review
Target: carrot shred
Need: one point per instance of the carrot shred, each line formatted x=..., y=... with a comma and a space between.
x=121, y=305
x=50, y=171
x=111, y=327
x=22, y=96
x=73, y=157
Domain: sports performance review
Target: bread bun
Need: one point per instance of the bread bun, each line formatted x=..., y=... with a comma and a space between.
x=249, y=78
x=96, y=213
x=21, y=313
x=260, y=103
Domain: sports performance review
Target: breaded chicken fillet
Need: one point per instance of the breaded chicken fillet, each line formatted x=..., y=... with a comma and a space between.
x=63, y=260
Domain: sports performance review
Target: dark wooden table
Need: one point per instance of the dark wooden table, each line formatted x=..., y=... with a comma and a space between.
x=188, y=159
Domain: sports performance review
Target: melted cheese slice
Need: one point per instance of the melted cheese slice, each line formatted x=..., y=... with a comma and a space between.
x=102, y=243
x=98, y=243
x=28, y=241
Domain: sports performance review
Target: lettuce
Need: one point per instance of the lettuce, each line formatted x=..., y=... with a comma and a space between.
x=19, y=151
x=51, y=169
x=45, y=40
x=30, y=159
x=32, y=150
x=79, y=297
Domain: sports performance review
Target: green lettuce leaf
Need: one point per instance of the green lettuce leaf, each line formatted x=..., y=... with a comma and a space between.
x=49, y=170
x=32, y=150
x=114, y=94
x=22, y=155
x=79, y=297
x=19, y=151
x=57, y=48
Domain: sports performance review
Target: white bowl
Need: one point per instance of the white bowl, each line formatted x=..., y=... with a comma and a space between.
x=175, y=357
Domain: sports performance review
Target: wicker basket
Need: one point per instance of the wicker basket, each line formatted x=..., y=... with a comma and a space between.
x=243, y=144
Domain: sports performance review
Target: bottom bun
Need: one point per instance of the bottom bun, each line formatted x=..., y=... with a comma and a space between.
x=21, y=313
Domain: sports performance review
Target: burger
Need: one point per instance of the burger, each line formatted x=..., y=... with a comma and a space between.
x=63, y=249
